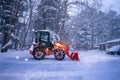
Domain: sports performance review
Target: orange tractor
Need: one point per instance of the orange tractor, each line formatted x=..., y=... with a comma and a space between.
x=43, y=47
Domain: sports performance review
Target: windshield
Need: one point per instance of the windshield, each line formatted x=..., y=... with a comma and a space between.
x=44, y=37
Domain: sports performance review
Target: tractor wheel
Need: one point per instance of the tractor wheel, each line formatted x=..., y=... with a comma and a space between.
x=38, y=53
x=59, y=54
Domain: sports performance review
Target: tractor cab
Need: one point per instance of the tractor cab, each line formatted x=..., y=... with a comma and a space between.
x=43, y=39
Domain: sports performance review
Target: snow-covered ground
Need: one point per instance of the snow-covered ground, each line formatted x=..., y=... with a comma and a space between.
x=93, y=65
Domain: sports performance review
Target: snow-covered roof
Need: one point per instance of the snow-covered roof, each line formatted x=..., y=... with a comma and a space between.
x=111, y=41
x=115, y=40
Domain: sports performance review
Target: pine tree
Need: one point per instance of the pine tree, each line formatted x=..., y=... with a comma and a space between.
x=10, y=12
x=47, y=11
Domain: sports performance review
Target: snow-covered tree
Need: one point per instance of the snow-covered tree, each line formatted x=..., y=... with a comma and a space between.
x=10, y=11
x=86, y=25
x=51, y=15
x=26, y=33
x=78, y=22
x=47, y=15
x=114, y=24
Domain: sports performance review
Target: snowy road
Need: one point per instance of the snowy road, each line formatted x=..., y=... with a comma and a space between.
x=93, y=65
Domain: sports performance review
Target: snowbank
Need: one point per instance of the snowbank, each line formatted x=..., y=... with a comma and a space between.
x=114, y=48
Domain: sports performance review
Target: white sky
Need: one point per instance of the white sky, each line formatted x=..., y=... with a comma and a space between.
x=107, y=5
x=111, y=4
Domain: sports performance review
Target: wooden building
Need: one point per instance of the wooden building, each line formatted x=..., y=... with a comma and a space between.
x=109, y=44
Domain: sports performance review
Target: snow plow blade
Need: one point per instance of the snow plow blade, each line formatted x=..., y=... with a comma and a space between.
x=74, y=56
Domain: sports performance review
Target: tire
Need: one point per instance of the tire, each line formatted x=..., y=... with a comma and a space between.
x=118, y=53
x=112, y=53
x=59, y=54
x=38, y=53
